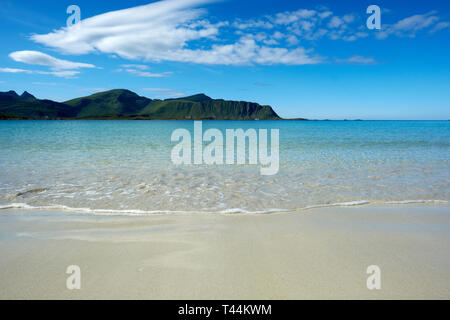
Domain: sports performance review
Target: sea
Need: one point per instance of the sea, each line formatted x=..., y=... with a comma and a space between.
x=125, y=167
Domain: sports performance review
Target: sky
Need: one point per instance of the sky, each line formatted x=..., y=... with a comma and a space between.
x=312, y=59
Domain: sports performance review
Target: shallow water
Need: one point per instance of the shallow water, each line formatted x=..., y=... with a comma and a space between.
x=125, y=166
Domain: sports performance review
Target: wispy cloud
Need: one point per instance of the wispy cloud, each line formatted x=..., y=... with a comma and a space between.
x=141, y=71
x=135, y=66
x=359, y=60
x=293, y=16
x=305, y=24
x=14, y=70
x=440, y=26
x=162, y=31
x=147, y=32
x=94, y=90
x=164, y=93
x=62, y=74
x=245, y=24
x=42, y=59
x=58, y=67
x=321, y=23
x=408, y=27
x=171, y=30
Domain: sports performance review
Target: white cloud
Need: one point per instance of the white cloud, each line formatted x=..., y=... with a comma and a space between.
x=140, y=70
x=14, y=70
x=145, y=74
x=335, y=22
x=271, y=42
x=62, y=74
x=278, y=35
x=147, y=32
x=164, y=93
x=292, y=40
x=321, y=23
x=95, y=90
x=58, y=67
x=176, y=30
x=252, y=24
x=163, y=31
x=135, y=66
x=306, y=25
x=441, y=26
x=356, y=59
x=408, y=27
x=325, y=14
x=247, y=51
x=349, y=18
x=415, y=23
x=42, y=59
x=290, y=17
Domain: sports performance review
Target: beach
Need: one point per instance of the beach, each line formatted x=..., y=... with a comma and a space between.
x=106, y=197
x=320, y=253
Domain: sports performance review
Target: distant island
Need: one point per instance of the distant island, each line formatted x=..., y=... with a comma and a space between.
x=121, y=104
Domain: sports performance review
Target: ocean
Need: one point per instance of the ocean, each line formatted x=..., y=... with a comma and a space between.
x=125, y=167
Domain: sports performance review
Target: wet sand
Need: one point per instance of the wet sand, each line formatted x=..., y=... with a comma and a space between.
x=313, y=254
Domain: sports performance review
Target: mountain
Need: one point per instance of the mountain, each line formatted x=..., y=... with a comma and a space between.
x=27, y=106
x=110, y=104
x=26, y=96
x=125, y=104
x=202, y=107
x=196, y=98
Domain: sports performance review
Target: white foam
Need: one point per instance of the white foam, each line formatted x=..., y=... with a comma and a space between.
x=239, y=210
x=16, y=206
x=416, y=201
x=339, y=204
x=25, y=206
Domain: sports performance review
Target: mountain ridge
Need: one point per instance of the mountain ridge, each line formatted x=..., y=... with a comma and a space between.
x=125, y=104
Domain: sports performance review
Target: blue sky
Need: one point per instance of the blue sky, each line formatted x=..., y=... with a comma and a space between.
x=314, y=59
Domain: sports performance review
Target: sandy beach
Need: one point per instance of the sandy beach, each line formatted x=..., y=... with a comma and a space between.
x=311, y=254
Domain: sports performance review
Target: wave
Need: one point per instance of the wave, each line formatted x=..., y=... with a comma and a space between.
x=416, y=201
x=25, y=206
x=230, y=211
x=338, y=204
x=239, y=210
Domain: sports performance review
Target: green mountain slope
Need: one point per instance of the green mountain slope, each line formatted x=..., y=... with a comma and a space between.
x=27, y=106
x=183, y=109
x=114, y=103
x=124, y=104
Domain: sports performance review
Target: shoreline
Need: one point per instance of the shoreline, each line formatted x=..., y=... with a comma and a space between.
x=226, y=212
x=311, y=254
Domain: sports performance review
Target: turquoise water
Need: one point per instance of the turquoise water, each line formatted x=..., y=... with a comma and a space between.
x=125, y=166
